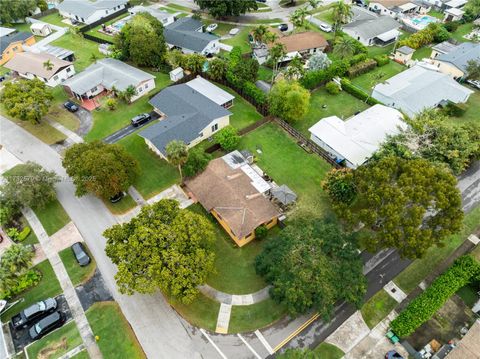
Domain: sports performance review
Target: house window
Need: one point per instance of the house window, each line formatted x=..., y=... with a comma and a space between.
x=94, y=89
x=215, y=127
x=140, y=89
x=83, y=20
x=200, y=134
x=55, y=78
x=146, y=86
x=69, y=69
x=106, y=12
x=15, y=48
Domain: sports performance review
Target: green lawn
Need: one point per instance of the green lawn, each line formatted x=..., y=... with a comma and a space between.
x=472, y=113
x=116, y=338
x=245, y=318
x=3, y=70
x=83, y=49
x=82, y=355
x=48, y=287
x=156, y=173
x=418, y=270
x=422, y=53
x=124, y=205
x=328, y=351
x=368, y=80
x=240, y=39
x=65, y=118
x=325, y=16
x=265, y=74
x=57, y=343
x=222, y=29
x=54, y=19
x=469, y=294
x=461, y=31
x=437, y=14
x=179, y=7
x=377, y=308
x=78, y=275
x=53, y=217
x=202, y=312
x=385, y=50
x=243, y=113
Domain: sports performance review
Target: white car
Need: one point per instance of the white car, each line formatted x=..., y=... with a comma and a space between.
x=474, y=83
x=211, y=27
x=234, y=31
x=325, y=27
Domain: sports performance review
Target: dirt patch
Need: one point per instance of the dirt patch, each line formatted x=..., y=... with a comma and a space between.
x=50, y=350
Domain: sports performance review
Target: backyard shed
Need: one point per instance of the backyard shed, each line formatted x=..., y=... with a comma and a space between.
x=41, y=29
x=176, y=74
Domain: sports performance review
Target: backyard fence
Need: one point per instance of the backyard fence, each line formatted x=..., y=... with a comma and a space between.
x=44, y=13
x=103, y=20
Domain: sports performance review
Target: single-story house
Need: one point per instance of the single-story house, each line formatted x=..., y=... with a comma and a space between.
x=13, y=43
x=31, y=65
x=186, y=34
x=403, y=54
x=40, y=29
x=418, y=88
x=190, y=112
x=454, y=63
x=399, y=8
x=106, y=74
x=87, y=11
x=453, y=14
x=455, y=4
x=4, y=31
x=164, y=17
x=469, y=346
x=58, y=52
x=442, y=48
x=234, y=193
x=356, y=139
x=380, y=31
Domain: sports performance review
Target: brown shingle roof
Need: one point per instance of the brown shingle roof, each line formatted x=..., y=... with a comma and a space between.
x=302, y=41
x=469, y=346
x=230, y=193
x=24, y=62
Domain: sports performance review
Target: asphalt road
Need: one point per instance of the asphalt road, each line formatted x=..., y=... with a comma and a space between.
x=124, y=132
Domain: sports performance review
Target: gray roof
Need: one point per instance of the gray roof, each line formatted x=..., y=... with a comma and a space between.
x=368, y=29
x=108, y=73
x=406, y=50
x=13, y=37
x=444, y=47
x=85, y=8
x=188, y=113
x=463, y=53
x=183, y=33
x=284, y=194
x=361, y=14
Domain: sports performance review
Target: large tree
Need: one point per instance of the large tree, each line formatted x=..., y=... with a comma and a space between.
x=220, y=8
x=163, y=247
x=141, y=41
x=16, y=10
x=473, y=69
x=312, y=264
x=341, y=13
x=289, y=100
x=99, y=168
x=27, y=100
x=177, y=154
x=472, y=9
x=408, y=204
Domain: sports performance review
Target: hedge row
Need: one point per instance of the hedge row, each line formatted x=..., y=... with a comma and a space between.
x=422, y=308
x=313, y=79
x=361, y=68
x=247, y=87
x=356, y=92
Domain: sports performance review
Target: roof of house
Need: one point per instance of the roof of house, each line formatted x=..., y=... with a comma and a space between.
x=359, y=137
x=30, y=62
x=85, y=8
x=456, y=3
x=406, y=50
x=369, y=29
x=39, y=25
x=390, y=3
x=4, y=31
x=444, y=47
x=302, y=41
x=156, y=13
x=361, y=14
x=419, y=87
x=233, y=193
x=469, y=346
x=108, y=73
x=463, y=53
x=183, y=33
x=454, y=11
x=56, y=51
x=213, y=92
x=12, y=38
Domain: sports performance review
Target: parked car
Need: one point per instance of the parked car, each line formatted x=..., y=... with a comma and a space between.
x=211, y=27
x=474, y=83
x=46, y=325
x=117, y=197
x=80, y=254
x=34, y=312
x=2, y=78
x=392, y=354
x=70, y=106
x=325, y=27
x=264, y=1
x=140, y=119
x=283, y=27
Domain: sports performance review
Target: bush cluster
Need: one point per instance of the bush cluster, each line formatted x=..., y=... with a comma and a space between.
x=332, y=88
x=361, y=68
x=381, y=60
x=432, y=33
x=355, y=91
x=313, y=79
x=28, y=280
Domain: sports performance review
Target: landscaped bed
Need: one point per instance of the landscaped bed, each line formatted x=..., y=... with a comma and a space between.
x=78, y=275
x=377, y=308
x=53, y=217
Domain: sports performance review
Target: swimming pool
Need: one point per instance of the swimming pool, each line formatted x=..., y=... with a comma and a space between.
x=420, y=22
x=119, y=24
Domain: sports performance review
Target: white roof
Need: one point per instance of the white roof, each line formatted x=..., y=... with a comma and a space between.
x=207, y=89
x=408, y=6
x=454, y=11
x=386, y=36
x=456, y=3
x=4, y=31
x=38, y=25
x=176, y=71
x=258, y=182
x=357, y=138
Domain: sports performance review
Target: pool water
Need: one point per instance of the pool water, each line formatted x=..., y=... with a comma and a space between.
x=424, y=20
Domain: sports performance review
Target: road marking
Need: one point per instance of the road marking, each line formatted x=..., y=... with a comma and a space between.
x=249, y=346
x=214, y=345
x=295, y=333
x=264, y=342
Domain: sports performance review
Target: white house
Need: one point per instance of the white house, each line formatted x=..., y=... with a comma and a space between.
x=87, y=11
x=31, y=65
x=164, y=17
x=380, y=31
x=399, y=8
x=355, y=140
x=106, y=74
x=40, y=29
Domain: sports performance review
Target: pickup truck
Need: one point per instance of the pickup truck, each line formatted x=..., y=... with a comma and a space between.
x=33, y=313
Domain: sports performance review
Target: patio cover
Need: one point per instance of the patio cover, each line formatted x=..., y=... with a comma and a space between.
x=387, y=36
x=284, y=194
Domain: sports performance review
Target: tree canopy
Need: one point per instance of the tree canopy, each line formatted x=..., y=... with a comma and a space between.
x=473, y=69
x=102, y=169
x=220, y=8
x=228, y=138
x=13, y=10
x=312, y=264
x=14, y=270
x=289, y=100
x=177, y=154
x=163, y=247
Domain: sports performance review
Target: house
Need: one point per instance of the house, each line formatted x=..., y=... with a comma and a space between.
x=106, y=74
x=442, y=48
x=186, y=34
x=13, y=43
x=234, y=193
x=4, y=31
x=355, y=140
x=87, y=11
x=379, y=31
x=469, y=346
x=164, y=17
x=190, y=112
x=453, y=14
x=40, y=29
x=58, y=52
x=454, y=63
x=399, y=8
x=418, y=88
x=31, y=65
x=403, y=54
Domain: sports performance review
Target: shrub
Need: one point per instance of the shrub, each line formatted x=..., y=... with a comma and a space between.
x=13, y=233
x=355, y=91
x=261, y=232
x=29, y=279
x=228, y=138
x=253, y=91
x=111, y=104
x=313, y=79
x=381, y=60
x=422, y=308
x=197, y=161
x=24, y=234
x=361, y=68
x=455, y=110
x=357, y=58
x=451, y=26
x=332, y=88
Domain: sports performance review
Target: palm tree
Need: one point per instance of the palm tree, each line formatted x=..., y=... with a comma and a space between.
x=276, y=53
x=344, y=46
x=342, y=13
x=48, y=65
x=93, y=58
x=259, y=33
x=17, y=258
x=298, y=17
x=177, y=154
x=314, y=3
x=129, y=92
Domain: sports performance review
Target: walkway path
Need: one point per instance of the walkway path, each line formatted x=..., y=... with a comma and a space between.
x=70, y=134
x=68, y=289
x=234, y=299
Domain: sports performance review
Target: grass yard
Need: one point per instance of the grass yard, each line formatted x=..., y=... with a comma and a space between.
x=241, y=40
x=77, y=274
x=368, y=80
x=222, y=29
x=156, y=173
x=47, y=287
x=53, y=217
x=57, y=343
x=3, y=70
x=54, y=19
x=101, y=35
x=328, y=351
x=82, y=355
x=262, y=8
x=245, y=318
x=377, y=308
x=179, y=7
x=472, y=113
x=462, y=31
x=265, y=74
x=83, y=49
x=202, y=312
x=243, y=113
x=120, y=343
x=63, y=117
x=126, y=204
x=418, y=270
x=437, y=14
x=422, y=53
x=342, y=105
x=469, y=294
x=325, y=16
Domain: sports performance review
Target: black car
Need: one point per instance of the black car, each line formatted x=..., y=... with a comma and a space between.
x=283, y=27
x=46, y=325
x=140, y=119
x=80, y=254
x=33, y=313
x=70, y=106
x=117, y=197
